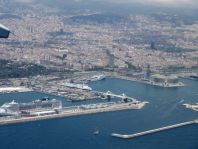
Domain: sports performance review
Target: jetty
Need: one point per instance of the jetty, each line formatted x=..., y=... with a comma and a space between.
x=130, y=136
x=110, y=95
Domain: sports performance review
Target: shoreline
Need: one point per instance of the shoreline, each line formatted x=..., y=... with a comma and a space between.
x=145, y=82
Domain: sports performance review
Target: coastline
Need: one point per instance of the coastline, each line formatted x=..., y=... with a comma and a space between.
x=180, y=84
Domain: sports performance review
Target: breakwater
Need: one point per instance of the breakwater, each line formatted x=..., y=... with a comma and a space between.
x=130, y=136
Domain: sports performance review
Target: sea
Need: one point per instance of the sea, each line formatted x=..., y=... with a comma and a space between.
x=164, y=108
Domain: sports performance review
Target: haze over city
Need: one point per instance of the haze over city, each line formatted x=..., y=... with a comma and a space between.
x=102, y=74
x=176, y=3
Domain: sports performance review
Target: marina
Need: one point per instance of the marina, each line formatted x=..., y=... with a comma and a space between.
x=130, y=136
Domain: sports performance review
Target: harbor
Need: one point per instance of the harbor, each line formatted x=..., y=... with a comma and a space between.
x=130, y=136
x=45, y=108
x=76, y=87
x=164, y=108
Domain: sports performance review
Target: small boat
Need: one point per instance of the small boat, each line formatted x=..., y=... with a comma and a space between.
x=96, y=132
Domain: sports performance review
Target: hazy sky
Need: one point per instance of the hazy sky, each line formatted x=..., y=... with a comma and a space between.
x=150, y=2
x=160, y=2
x=24, y=1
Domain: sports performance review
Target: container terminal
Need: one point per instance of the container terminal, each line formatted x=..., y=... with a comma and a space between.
x=46, y=108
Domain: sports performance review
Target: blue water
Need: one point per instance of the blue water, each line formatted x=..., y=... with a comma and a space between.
x=77, y=132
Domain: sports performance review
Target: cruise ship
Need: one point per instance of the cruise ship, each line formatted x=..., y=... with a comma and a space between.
x=78, y=86
x=9, y=109
x=44, y=104
x=97, y=77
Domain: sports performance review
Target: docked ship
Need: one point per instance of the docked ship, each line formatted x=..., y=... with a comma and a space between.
x=193, y=107
x=44, y=104
x=97, y=77
x=9, y=109
x=194, y=77
x=78, y=86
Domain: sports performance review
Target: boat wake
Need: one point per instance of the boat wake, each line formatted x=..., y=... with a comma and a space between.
x=168, y=112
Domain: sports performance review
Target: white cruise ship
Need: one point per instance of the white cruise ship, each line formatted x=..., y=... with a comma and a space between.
x=43, y=104
x=9, y=109
x=79, y=86
x=98, y=77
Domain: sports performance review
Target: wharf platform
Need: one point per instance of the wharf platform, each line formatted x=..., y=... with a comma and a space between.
x=14, y=89
x=130, y=136
x=73, y=111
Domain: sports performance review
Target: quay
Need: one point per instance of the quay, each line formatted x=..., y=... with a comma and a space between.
x=75, y=111
x=130, y=136
x=14, y=89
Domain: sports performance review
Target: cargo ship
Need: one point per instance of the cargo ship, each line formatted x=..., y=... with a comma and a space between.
x=40, y=105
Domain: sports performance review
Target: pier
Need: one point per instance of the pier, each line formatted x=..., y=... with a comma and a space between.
x=130, y=136
x=109, y=95
x=75, y=111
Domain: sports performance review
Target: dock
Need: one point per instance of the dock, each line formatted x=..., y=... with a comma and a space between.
x=109, y=95
x=74, y=111
x=130, y=136
x=14, y=89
